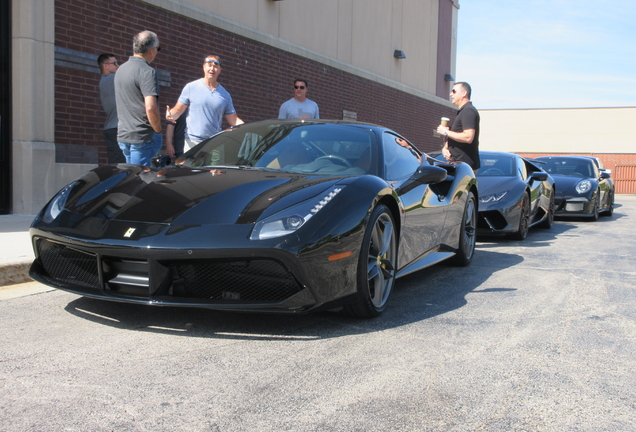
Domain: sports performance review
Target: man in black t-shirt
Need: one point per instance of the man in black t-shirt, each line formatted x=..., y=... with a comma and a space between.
x=175, y=136
x=461, y=141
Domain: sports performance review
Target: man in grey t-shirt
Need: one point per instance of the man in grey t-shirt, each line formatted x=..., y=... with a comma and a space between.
x=136, y=92
x=108, y=66
x=299, y=107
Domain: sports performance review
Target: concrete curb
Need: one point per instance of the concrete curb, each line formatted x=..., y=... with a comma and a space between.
x=15, y=273
x=16, y=251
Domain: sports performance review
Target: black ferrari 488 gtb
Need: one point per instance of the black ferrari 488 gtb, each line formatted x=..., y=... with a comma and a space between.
x=272, y=216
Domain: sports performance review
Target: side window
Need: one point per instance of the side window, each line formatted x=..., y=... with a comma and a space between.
x=400, y=159
x=521, y=169
x=596, y=173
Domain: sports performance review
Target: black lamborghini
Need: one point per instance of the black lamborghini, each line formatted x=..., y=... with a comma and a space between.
x=515, y=194
x=272, y=216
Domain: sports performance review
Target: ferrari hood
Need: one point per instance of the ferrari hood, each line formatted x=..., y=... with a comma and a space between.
x=186, y=196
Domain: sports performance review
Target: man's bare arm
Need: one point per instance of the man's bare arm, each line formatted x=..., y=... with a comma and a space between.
x=152, y=111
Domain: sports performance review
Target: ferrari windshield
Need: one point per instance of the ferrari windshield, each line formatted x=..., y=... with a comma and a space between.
x=299, y=147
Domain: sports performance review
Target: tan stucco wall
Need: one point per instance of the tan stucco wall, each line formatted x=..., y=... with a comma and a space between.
x=359, y=33
x=580, y=130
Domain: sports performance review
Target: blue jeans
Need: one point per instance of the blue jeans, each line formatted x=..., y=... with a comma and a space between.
x=140, y=154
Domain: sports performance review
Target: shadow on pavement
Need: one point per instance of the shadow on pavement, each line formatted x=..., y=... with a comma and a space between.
x=537, y=237
x=416, y=297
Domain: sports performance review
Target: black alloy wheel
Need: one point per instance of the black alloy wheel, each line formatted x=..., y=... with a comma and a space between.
x=467, y=233
x=524, y=219
x=376, y=266
x=610, y=205
x=596, y=212
x=549, y=219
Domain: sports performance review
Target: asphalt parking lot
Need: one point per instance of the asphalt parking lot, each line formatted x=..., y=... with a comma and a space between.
x=536, y=335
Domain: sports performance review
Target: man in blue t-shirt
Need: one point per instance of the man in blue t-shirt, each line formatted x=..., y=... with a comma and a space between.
x=299, y=107
x=208, y=104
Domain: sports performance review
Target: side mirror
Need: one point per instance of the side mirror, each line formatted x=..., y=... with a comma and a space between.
x=425, y=174
x=605, y=175
x=160, y=161
x=539, y=176
x=155, y=162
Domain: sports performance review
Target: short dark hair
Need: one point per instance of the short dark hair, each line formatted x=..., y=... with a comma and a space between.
x=145, y=41
x=103, y=58
x=466, y=87
x=301, y=80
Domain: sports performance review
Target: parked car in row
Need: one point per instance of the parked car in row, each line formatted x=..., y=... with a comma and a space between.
x=599, y=163
x=272, y=216
x=583, y=190
x=514, y=195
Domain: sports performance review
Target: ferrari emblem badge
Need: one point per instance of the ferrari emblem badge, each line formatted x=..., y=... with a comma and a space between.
x=129, y=232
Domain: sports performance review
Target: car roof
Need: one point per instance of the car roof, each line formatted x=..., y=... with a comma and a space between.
x=565, y=157
x=321, y=121
x=497, y=153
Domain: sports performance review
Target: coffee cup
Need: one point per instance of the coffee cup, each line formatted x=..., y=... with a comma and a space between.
x=445, y=121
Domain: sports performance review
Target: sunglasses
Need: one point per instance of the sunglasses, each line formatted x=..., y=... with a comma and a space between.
x=115, y=63
x=214, y=62
x=299, y=87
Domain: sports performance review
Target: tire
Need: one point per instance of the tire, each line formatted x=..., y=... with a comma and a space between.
x=467, y=234
x=524, y=219
x=610, y=204
x=376, y=266
x=549, y=220
x=595, y=213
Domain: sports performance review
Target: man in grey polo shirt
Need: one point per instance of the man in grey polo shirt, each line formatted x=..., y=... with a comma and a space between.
x=136, y=92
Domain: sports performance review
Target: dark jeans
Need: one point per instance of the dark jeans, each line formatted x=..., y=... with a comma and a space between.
x=115, y=155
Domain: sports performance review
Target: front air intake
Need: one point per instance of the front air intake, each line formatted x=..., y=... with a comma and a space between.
x=266, y=281
x=67, y=265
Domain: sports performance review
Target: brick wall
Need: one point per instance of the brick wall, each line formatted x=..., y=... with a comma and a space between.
x=258, y=77
x=610, y=160
x=623, y=166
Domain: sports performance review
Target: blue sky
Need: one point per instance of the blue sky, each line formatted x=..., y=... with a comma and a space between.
x=548, y=53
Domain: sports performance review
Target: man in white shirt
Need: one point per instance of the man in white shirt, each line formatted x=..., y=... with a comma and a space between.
x=299, y=107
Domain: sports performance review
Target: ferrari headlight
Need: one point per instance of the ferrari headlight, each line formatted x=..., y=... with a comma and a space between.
x=57, y=204
x=493, y=197
x=584, y=186
x=291, y=219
